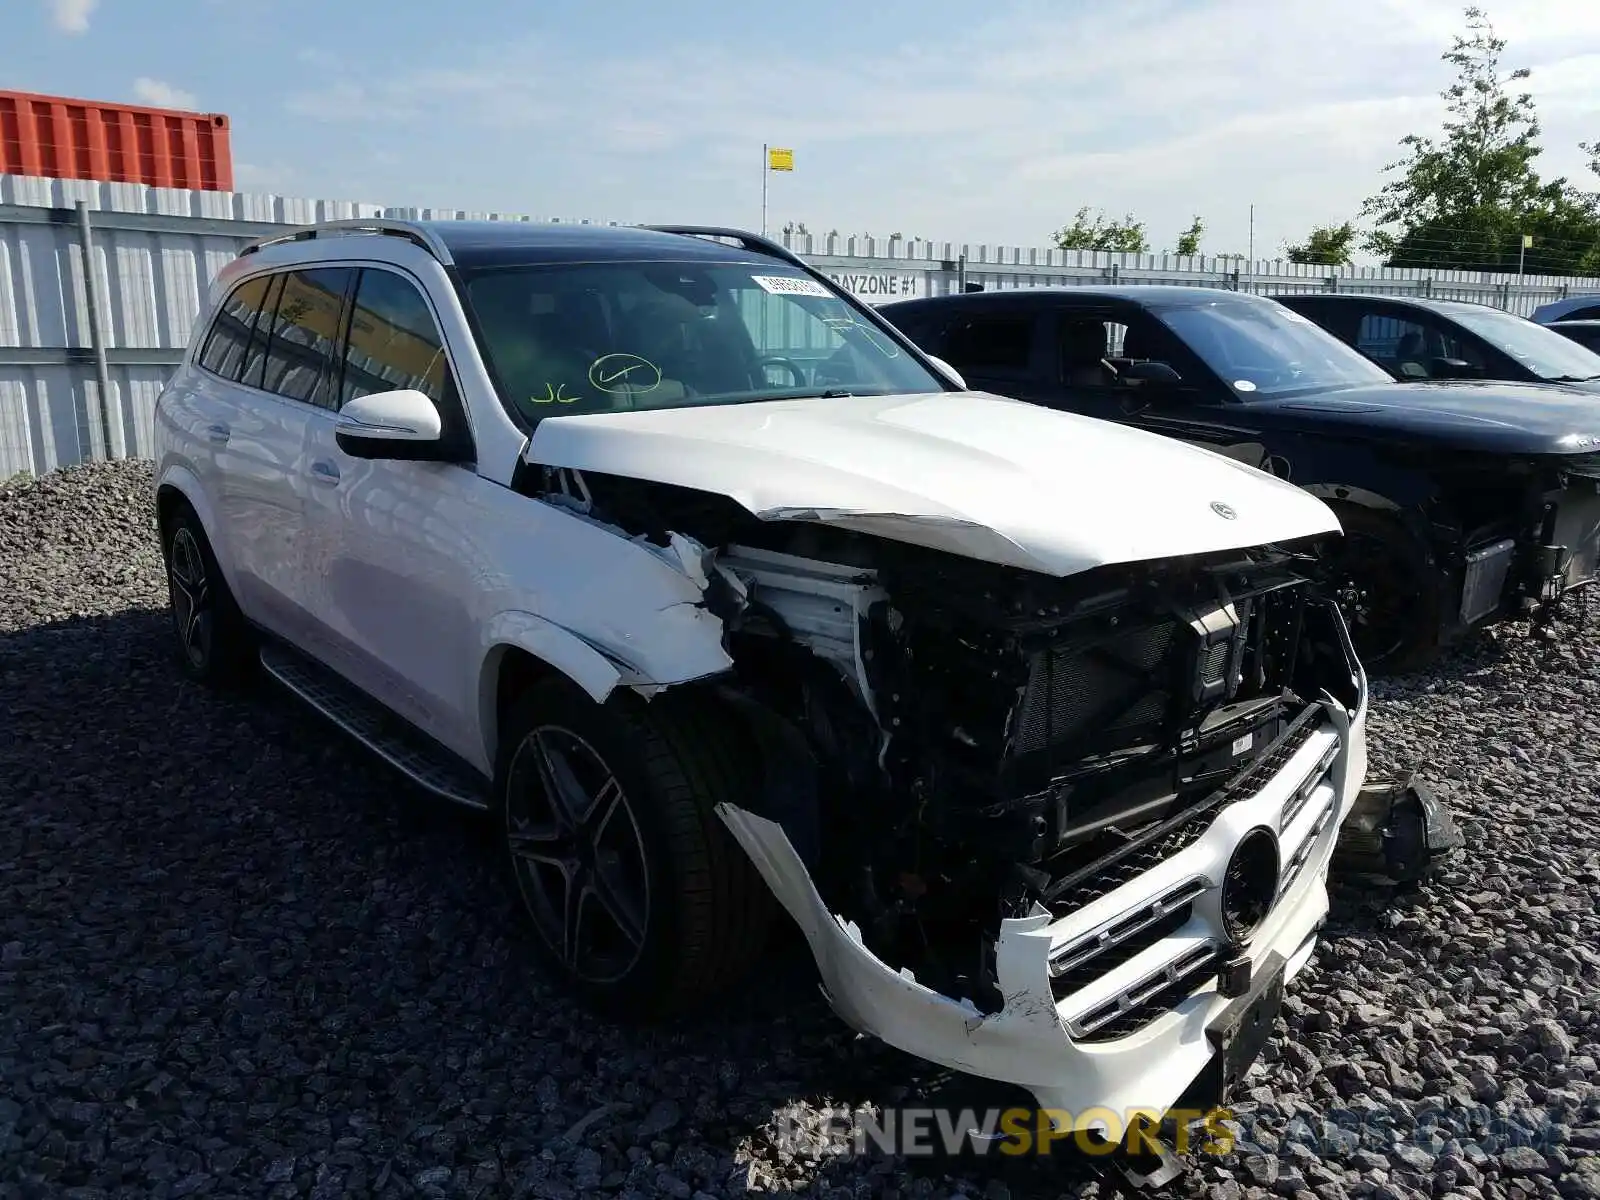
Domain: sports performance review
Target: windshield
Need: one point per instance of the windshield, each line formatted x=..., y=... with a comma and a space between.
x=1263, y=349
x=604, y=337
x=1544, y=352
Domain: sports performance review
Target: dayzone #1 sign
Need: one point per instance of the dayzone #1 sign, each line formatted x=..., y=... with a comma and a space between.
x=879, y=287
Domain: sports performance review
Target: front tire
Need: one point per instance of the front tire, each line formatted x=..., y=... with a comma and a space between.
x=640, y=900
x=1383, y=579
x=215, y=644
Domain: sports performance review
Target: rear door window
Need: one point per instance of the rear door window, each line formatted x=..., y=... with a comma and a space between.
x=994, y=347
x=1409, y=347
x=300, y=355
x=1395, y=343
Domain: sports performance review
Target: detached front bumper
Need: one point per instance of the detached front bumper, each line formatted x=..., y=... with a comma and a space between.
x=1131, y=1033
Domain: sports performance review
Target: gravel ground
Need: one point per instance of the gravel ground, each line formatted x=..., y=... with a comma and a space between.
x=236, y=959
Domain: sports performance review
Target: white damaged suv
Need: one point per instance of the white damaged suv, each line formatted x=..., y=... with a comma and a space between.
x=714, y=590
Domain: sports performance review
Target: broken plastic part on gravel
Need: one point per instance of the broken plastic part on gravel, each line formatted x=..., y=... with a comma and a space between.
x=1398, y=831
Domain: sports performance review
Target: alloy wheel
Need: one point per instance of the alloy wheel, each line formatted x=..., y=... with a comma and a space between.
x=578, y=854
x=190, y=591
x=1379, y=616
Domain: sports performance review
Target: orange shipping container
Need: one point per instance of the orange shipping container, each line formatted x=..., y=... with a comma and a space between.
x=59, y=138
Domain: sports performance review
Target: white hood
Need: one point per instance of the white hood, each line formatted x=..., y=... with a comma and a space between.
x=966, y=472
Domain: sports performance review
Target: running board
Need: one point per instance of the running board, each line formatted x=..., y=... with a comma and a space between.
x=429, y=766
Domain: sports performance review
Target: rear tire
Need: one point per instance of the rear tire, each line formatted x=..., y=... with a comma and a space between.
x=215, y=644
x=669, y=908
x=1383, y=578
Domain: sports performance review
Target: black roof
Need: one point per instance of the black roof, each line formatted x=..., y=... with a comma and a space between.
x=514, y=243
x=1443, y=307
x=1136, y=293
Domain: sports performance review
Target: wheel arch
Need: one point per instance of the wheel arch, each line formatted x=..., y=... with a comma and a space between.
x=527, y=649
x=177, y=486
x=521, y=648
x=1335, y=494
x=1430, y=520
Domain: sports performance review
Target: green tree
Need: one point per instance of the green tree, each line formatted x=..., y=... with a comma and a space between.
x=1098, y=232
x=1189, y=239
x=1466, y=200
x=1329, y=245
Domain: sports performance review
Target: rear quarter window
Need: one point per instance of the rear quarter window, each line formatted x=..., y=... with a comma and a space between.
x=228, y=340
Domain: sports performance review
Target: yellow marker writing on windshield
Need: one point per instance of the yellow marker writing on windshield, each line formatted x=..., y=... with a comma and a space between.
x=553, y=395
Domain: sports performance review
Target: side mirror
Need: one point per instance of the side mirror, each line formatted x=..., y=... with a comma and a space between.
x=1157, y=373
x=399, y=425
x=1455, y=368
x=950, y=372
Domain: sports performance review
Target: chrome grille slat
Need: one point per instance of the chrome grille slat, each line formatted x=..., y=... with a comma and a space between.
x=1303, y=793
x=1297, y=864
x=1132, y=1008
x=1093, y=944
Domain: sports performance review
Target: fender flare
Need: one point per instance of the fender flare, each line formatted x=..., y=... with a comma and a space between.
x=182, y=480
x=560, y=649
x=1343, y=493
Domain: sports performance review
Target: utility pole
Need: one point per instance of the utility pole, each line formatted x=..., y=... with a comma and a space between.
x=1250, y=258
x=766, y=166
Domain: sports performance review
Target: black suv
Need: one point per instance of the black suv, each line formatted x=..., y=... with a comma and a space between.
x=1585, y=333
x=1422, y=339
x=1462, y=502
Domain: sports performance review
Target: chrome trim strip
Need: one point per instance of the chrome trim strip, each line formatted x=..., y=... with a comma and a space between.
x=1088, y=946
x=1142, y=990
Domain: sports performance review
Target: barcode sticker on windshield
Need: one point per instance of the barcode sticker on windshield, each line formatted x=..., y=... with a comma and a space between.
x=790, y=285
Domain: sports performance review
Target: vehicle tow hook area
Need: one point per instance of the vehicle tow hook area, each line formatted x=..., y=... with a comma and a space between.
x=1396, y=832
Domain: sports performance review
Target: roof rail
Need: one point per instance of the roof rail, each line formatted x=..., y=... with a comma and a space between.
x=419, y=235
x=754, y=242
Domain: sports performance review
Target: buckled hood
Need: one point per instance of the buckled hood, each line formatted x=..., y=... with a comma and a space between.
x=970, y=473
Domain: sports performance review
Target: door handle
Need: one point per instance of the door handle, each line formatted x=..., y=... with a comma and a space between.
x=218, y=434
x=324, y=471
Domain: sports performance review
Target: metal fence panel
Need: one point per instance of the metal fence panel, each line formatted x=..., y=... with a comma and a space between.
x=154, y=251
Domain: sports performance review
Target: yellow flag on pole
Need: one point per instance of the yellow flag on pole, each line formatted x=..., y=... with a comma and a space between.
x=780, y=160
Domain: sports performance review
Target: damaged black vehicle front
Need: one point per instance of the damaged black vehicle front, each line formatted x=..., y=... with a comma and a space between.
x=1461, y=503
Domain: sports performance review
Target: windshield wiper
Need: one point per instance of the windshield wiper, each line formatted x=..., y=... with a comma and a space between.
x=1573, y=378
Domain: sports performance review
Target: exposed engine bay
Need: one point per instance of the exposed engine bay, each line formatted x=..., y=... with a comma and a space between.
x=951, y=744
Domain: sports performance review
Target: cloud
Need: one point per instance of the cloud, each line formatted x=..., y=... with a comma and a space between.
x=994, y=131
x=160, y=94
x=72, y=16
x=263, y=177
x=346, y=102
